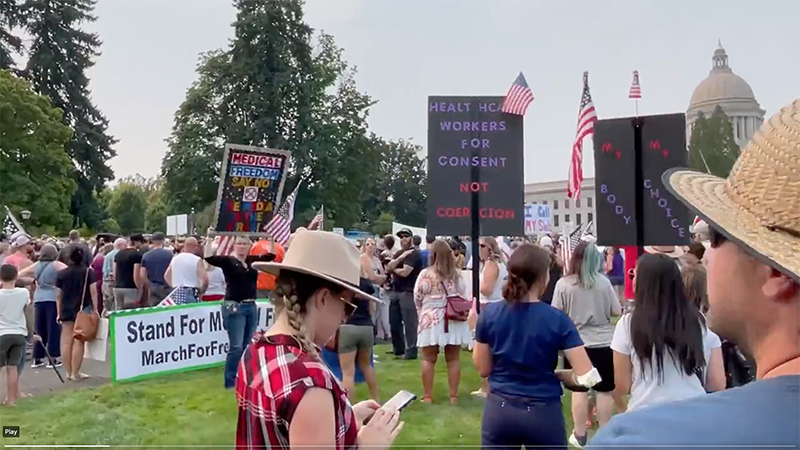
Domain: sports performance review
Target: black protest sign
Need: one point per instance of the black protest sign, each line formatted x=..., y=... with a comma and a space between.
x=666, y=220
x=464, y=132
x=614, y=165
x=662, y=146
x=250, y=187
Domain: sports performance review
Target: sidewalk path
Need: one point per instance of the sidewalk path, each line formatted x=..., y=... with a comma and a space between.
x=43, y=381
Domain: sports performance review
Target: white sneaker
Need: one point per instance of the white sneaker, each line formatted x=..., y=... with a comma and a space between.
x=37, y=364
x=573, y=441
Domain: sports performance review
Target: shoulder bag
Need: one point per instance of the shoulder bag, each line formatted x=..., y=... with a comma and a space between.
x=85, y=328
x=457, y=308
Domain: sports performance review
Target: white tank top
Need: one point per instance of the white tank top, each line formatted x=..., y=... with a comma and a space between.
x=216, y=281
x=184, y=270
x=497, y=293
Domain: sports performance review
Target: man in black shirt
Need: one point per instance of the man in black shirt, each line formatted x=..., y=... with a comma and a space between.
x=405, y=268
x=127, y=280
x=75, y=241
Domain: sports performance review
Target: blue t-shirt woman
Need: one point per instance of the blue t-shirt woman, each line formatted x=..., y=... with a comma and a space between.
x=517, y=346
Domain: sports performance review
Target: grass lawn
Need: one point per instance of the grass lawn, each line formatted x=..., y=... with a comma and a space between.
x=193, y=409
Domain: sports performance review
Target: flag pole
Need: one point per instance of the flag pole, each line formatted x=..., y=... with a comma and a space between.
x=637, y=107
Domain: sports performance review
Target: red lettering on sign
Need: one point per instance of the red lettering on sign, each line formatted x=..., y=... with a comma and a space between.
x=474, y=187
x=484, y=213
x=606, y=146
x=655, y=145
x=271, y=162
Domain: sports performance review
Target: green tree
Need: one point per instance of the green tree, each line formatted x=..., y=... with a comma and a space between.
x=127, y=206
x=400, y=184
x=60, y=54
x=712, y=148
x=275, y=86
x=10, y=44
x=383, y=224
x=34, y=167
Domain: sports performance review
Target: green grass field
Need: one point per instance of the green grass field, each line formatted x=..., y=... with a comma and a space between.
x=193, y=409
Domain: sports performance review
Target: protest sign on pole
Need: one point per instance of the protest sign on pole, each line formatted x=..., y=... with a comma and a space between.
x=250, y=187
x=537, y=219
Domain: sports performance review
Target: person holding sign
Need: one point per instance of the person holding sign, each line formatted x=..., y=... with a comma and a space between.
x=298, y=402
x=239, y=310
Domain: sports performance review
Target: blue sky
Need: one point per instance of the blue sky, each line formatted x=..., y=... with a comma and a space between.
x=406, y=50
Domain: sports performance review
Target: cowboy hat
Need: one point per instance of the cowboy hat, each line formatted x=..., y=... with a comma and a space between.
x=673, y=251
x=324, y=255
x=758, y=206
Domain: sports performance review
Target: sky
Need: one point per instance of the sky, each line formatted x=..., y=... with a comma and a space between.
x=406, y=50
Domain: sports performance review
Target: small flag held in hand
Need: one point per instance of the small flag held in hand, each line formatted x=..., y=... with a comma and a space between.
x=518, y=98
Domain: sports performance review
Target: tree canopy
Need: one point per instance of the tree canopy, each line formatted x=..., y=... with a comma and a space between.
x=34, y=166
x=59, y=56
x=712, y=148
x=279, y=85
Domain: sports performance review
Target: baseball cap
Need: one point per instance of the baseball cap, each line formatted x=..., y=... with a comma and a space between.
x=545, y=241
x=19, y=239
x=404, y=232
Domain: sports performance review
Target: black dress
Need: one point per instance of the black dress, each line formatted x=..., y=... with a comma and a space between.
x=71, y=283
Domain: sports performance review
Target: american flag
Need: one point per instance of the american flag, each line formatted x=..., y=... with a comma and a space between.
x=518, y=98
x=10, y=224
x=636, y=90
x=587, y=116
x=176, y=297
x=568, y=245
x=224, y=245
x=280, y=227
x=317, y=223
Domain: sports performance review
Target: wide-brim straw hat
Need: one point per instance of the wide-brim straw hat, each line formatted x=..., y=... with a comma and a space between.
x=758, y=206
x=324, y=255
x=673, y=251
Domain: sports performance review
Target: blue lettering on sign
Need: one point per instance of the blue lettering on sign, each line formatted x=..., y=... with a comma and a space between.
x=255, y=172
x=612, y=199
x=663, y=203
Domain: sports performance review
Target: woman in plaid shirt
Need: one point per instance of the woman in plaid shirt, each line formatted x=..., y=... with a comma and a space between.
x=283, y=389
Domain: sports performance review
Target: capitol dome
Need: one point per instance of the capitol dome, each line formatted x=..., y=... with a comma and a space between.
x=729, y=91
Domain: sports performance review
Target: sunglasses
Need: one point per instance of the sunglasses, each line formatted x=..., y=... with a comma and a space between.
x=349, y=308
x=716, y=238
x=482, y=245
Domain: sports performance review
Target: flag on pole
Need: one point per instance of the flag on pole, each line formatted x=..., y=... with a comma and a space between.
x=569, y=244
x=223, y=245
x=636, y=91
x=587, y=116
x=518, y=98
x=317, y=223
x=10, y=223
x=280, y=226
x=176, y=297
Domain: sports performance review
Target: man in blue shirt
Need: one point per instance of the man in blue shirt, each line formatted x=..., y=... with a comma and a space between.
x=754, y=297
x=154, y=266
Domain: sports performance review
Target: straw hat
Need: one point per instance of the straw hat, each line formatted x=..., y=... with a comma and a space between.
x=322, y=254
x=673, y=251
x=758, y=206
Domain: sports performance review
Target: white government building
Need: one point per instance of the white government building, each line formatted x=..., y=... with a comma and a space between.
x=721, y=88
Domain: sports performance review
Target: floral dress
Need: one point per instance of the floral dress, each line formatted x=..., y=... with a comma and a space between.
x=430, y=299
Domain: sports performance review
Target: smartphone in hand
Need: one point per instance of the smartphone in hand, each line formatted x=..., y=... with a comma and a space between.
x=396, y=403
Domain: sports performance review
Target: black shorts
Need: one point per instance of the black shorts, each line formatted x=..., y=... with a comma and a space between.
x=602, y=359
x=11, y=348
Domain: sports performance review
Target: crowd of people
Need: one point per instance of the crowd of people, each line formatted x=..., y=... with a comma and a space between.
x=538, y=323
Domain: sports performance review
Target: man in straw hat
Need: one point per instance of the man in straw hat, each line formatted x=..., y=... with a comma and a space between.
x=754, y=297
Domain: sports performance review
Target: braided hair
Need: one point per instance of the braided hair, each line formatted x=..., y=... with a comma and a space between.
x=291, y=294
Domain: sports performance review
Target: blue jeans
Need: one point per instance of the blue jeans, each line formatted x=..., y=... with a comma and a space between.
x=240, y=320
x=512, y=424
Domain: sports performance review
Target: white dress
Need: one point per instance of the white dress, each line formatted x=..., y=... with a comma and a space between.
x=431, y=302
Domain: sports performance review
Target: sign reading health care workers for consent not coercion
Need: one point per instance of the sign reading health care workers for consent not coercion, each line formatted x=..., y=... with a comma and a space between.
x=148, y=342
x=250, y=187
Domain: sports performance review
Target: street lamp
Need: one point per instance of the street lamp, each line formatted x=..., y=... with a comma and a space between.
x=25, y=214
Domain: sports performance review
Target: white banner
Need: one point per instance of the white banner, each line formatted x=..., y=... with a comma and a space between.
x=537, y=219
x=147, y=342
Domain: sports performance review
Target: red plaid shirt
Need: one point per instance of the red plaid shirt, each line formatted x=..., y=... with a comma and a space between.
x=273, y=376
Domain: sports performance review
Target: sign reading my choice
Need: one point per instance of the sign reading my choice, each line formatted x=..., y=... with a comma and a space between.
x=467, y=132
x=250, y=187
x=665, y=219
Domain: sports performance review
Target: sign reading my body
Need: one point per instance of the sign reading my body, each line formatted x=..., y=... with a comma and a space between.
x=482, y=144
